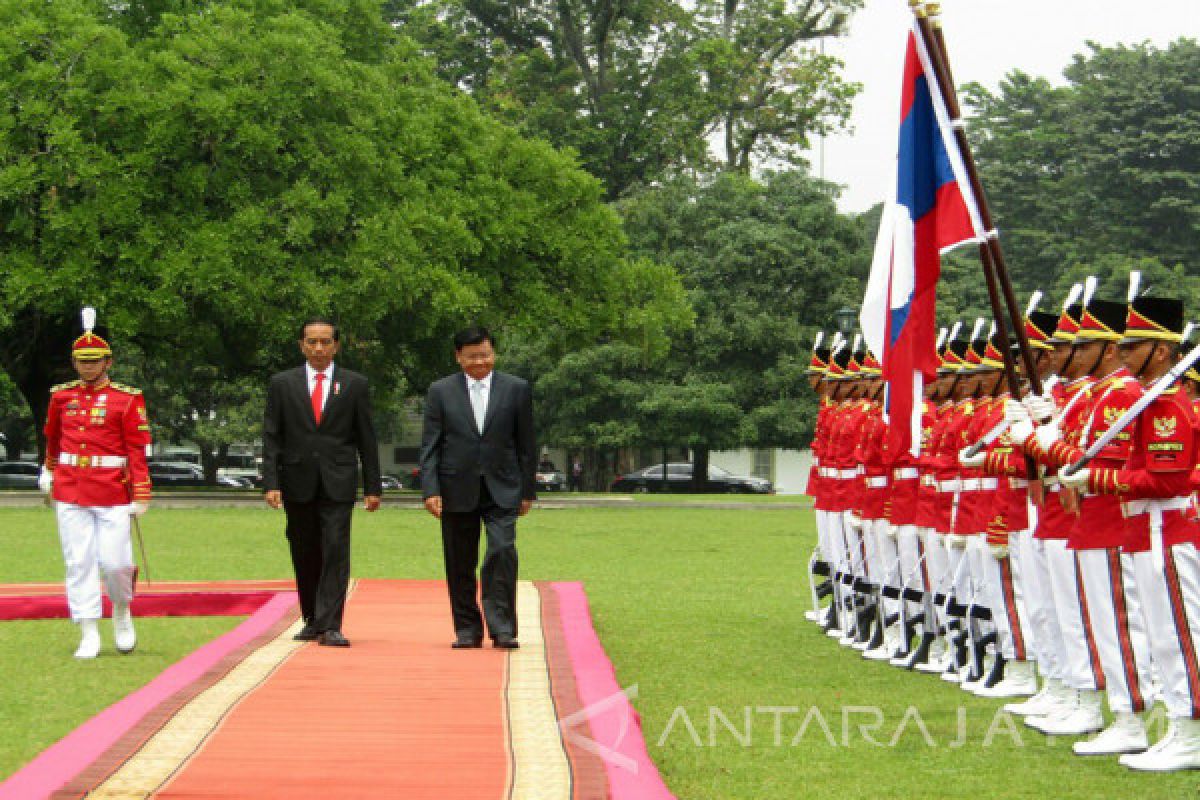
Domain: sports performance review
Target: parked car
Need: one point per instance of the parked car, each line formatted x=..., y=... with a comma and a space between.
x=549, y=478
x=391, y=483
x=679, y=479
x=181, y=473
x=18, y=474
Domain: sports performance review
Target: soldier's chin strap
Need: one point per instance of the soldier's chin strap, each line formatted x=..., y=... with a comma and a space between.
x=1145, y=363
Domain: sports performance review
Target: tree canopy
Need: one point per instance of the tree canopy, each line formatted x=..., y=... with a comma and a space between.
x=209, y=179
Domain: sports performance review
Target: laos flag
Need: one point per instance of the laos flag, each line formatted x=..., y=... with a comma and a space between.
x=931, y=211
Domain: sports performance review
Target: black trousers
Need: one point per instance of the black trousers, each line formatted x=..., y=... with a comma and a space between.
x=460, y=549
x=318, y=534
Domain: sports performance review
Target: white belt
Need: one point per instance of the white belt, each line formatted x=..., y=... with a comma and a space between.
x=1149, y=506
x=847, y=474
x=1155, y=508
x=928, y=480
x=988, y=484
x=948, y=486
x=1018, y=483
x=971, y=485
x=73, y=460
x=906, y=473
x=879, y=482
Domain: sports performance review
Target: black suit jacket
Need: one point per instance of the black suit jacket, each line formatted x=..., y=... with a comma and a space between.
x=455, y=455
x=299, y=456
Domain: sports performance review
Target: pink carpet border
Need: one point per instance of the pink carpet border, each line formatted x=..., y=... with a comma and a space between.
x=617, y=727
x=57, y=764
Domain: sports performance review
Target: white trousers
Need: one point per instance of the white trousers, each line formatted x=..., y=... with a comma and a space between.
x=1003, y=589
x=1170, y=595
x=1115, y=611
x=95, y=542
x=1081, y=663
x=884, y=561
x=937, y=563
x=1043, y=615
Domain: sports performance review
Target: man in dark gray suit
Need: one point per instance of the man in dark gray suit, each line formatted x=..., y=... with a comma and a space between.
x=316, y=429
x=478, y=460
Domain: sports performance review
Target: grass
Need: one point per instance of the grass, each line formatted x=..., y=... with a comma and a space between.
x=700, y=608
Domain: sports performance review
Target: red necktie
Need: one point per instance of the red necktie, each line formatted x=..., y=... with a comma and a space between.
x=317, y=396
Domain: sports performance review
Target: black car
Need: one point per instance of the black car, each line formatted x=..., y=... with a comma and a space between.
x=679, y=479
x=182, y=473
x=19, y=474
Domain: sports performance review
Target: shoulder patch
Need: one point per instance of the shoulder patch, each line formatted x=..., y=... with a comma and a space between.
x=120, y=387
x=68, y=385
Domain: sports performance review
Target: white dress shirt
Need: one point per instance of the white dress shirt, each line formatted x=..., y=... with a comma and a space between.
x=478, y=391
x=312, y=382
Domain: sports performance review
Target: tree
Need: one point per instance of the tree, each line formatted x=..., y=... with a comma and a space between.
x=771, y=91
x=210, y=182
x=764, y=263
x=638, y=87
x=1100, y=173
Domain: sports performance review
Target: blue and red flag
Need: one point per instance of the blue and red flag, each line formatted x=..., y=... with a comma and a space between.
x=932, y=211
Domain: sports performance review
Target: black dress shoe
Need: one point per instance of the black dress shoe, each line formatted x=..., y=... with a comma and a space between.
x=333, y=639
x=307, y=634
x=467, y=642
x=505, y=643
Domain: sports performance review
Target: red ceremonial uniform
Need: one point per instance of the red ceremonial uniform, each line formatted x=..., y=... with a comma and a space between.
x=1101, y=522
x=870, y=454
x=1056, y=515
x=96, y=443
x=1164, y=444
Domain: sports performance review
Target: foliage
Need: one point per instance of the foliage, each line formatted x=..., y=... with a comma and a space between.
x=637, y=88
x=1098, y=176
x=209, y=179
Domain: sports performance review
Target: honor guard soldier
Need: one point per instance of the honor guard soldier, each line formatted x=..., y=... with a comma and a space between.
x=97, y=437
x=1117, y=644
x=1162, y=538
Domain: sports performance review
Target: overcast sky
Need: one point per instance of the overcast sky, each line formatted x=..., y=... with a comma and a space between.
x=986, y=39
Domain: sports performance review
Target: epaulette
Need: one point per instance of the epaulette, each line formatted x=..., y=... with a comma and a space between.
x=120, y=387
x=67, y=385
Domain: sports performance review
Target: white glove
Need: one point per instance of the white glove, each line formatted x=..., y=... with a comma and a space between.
x=853, y=521
x=1041, y=408
x=1015, y=411
x=1047, y=435
x=972, y=461
x=1078, y=481
x=138, y=509
x=998, y=551
x=1020, y=426
x=45, y=480
x=956, y=541
x=891, y=531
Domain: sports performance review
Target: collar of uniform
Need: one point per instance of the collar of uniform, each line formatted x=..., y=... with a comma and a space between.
x=1119, y=375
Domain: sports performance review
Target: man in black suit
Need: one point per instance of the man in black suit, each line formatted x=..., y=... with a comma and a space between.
x=478, y=460
x=317, y=428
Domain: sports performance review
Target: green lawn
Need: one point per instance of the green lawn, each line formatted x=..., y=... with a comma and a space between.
x=701, y=609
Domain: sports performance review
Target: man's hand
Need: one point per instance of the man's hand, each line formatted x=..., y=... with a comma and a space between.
x=274, y=498
x=371, y=502
x=524, y=509
x=139, y=507
x=45, y=480
x=434, y=505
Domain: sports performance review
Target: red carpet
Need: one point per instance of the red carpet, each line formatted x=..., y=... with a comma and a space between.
x=398, y=714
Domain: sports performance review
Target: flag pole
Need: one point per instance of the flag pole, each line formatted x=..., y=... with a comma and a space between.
x=994, y=265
